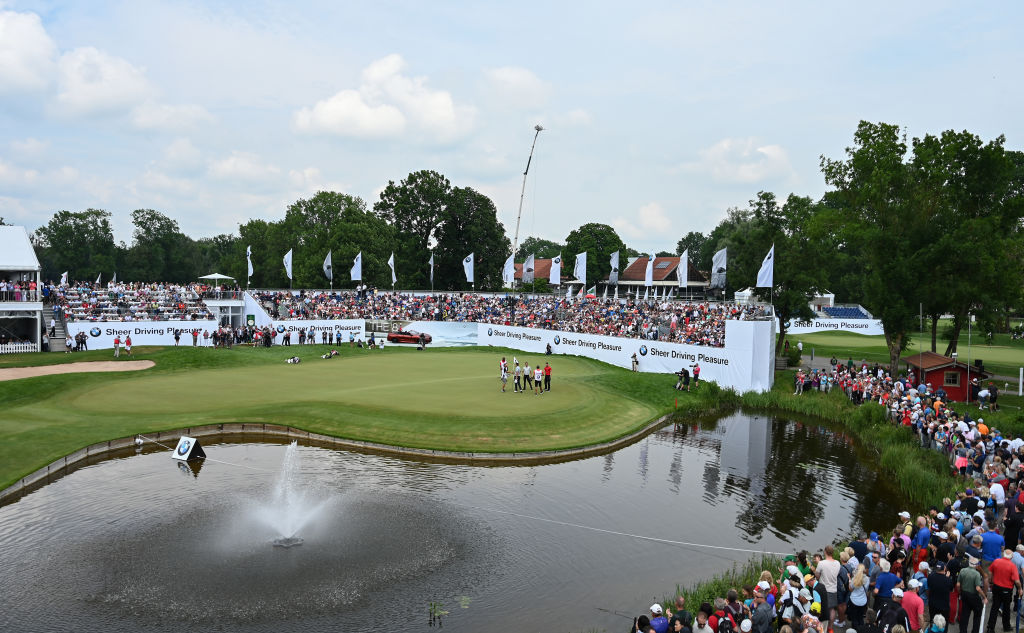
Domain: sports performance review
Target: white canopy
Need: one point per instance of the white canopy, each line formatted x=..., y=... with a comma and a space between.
x=16, y=252
x=216, y=277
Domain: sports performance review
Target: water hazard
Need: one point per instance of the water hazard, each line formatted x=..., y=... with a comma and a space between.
x=139, y=544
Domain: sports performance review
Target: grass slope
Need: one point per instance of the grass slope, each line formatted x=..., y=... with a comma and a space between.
x=444, y=399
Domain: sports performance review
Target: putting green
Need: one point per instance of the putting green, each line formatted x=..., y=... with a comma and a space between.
x=441, y=399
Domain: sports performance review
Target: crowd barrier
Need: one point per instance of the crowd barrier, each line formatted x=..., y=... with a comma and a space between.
x=101, y=333
x=860, y=326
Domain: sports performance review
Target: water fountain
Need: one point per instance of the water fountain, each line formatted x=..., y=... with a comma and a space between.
x=289, y=509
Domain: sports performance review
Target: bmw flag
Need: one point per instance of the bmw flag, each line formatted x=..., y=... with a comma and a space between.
x=766, y=276
x=467, y=265
x=556, y=271
x=357, y=267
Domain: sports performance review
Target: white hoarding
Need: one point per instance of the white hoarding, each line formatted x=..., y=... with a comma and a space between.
x=860, y=326
x=745, y=364
x=317, y=327
x=442, y=333
x=101, y=333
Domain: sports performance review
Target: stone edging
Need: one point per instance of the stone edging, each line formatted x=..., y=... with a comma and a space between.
x=70, y=462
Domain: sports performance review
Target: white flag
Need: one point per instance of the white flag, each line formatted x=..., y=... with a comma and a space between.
x=683, y=272
x=467, y=265
x=579, y=271
x=391, y=262
x=508, y=273
x=113, y=280
x=646, y=290
x=357, y=267
x=613, y=276
x=248, y=259
x=431, y=268
x=649, y=273
x=328, y=266
x=766, y=276
x=718, y=269
x=288, y=263
x=556, y=271
x=64, y=279
x=528, y=267
x=98, y=278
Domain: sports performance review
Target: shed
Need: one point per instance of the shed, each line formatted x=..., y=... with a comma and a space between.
x=943, y=371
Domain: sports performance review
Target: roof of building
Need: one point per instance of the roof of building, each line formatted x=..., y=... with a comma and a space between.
x=16, y=252
x=664, y=268
x=930, y=361
x=541, y=269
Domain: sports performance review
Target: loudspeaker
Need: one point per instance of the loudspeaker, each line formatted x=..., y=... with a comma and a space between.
x=188, y=448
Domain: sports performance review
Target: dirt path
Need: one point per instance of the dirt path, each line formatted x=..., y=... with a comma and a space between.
x=15, y=373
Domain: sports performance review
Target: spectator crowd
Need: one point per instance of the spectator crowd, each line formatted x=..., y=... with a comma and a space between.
x=121, y=301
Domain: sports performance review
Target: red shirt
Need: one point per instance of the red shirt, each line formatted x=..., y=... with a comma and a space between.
x=547, y=370
x=1004, y=573
x=914, y=606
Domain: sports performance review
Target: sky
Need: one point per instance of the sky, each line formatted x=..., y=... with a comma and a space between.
x=658, y=117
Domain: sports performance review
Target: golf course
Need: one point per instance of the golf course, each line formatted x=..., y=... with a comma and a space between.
x=443, y=399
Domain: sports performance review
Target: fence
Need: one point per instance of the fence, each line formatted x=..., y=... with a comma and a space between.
x=18, y=348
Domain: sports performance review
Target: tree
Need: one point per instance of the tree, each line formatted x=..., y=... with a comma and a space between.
x=882, y=227
x=541, y=248
x=599, y=241
x=159, y=251
x=734, y=217
x=81, y=243
x=471, y=224
x=415, y=208
x=692, y=241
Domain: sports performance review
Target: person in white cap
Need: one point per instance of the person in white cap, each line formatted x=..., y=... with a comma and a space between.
x=762, y=615
x=658, y=620
x=914, y=605
x=972, y=596
x=894, y=614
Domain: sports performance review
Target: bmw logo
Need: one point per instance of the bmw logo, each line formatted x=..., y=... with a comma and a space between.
x=183, y=448
x=557, y=339
x=643, y=350
x=280, y=329
x=490, y=331
x=787, y=325
x=95, y=331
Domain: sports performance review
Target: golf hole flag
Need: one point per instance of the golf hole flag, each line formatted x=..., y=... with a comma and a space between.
x=467, y=265
x=357, y=267
x=683, y=272
x=613, y=276
x=288, y=263
x=579, y=271
x=508, y=273
x=718, y=269
x=556, y=271
x=328, y=267
x=766, y=276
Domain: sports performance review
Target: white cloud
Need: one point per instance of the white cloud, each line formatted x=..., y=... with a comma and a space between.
x=649, y=223
x=244, y=167
x=15, y=177
x=181, y=156
x=29, y=148
x=91, y=81
x=517, y=87
x=27, y=54
x=157, y=116
x=743, y=161
x=388, y=104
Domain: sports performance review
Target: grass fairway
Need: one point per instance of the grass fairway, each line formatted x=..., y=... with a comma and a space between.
x=1003, y=357
x=446, y=399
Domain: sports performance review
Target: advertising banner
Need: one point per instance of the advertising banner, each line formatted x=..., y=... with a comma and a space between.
x=317, y=327
x=441, y=333
x=871, y=327
x=745, y=363
x=102, y=333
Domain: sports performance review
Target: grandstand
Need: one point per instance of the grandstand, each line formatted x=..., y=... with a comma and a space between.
x=846, y=312
x=21, y=305
x=130, y=302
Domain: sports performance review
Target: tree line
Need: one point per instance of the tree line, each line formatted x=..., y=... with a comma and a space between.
x=912, y=230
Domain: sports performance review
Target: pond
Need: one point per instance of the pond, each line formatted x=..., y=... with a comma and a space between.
x=137, y=543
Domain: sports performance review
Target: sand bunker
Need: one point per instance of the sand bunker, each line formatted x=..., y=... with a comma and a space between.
x=15, y=373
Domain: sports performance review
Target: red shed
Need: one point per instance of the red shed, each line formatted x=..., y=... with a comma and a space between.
x=943, y=371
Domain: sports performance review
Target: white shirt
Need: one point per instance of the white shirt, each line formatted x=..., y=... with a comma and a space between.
x=828, y=573
x=997, y=493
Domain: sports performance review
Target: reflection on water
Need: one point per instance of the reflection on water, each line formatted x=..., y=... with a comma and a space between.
x=503, y=548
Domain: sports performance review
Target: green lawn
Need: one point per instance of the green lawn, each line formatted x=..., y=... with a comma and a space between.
x=1003, y=357
x=441, y=399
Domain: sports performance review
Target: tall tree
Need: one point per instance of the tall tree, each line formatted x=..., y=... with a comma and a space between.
x=599, y=241
x=692, y=241
x=543, y=249
x=81, y=243
x=471, y=225
x=415, y=207
x=159, y=250
x=882, y=226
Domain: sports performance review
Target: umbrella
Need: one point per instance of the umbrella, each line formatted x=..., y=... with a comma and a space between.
x=591, y=296
x=216, y=277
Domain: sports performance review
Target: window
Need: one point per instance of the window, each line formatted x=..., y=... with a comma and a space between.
x=951, y=379
x=663, y=264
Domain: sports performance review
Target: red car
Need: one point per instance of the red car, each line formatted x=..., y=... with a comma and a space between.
x=407, y=336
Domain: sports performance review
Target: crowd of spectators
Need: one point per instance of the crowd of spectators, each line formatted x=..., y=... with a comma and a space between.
x=694, y=323
x=129, y=302
x=18, y=290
